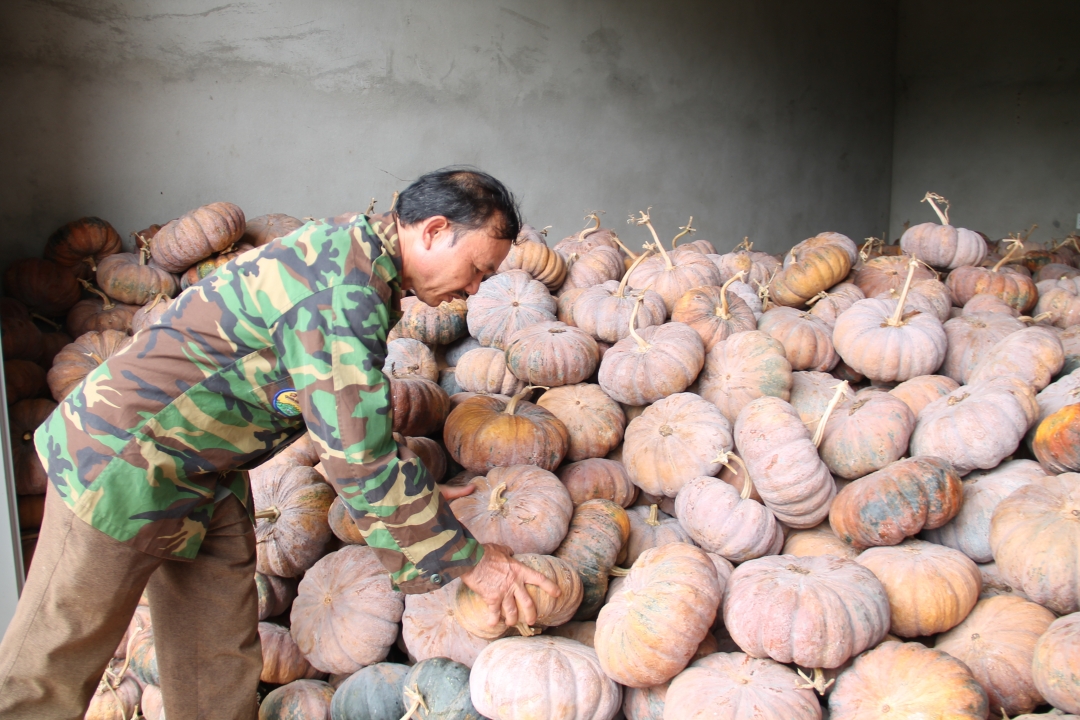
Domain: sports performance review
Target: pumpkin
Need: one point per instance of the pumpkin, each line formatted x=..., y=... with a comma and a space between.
x=441, y=687
x=81, y=244
x=429, y=628
x=264, y=229
x=828, y=306
x=1055, y=441
x=588, y=238
x=971, y=338
x=734, y=474
x=807, y=340
x=149, y=314
x=907, y=680
x=748, y=295
x=542, y=677
x=152, y=704
x=1060, y=308
x=674, y=440
x=650, y=629
x=866, y=433
x=604, y=310
x=1055, y=665
x=22, y=340
x=918, y=392
x=783, y=462
x=31, y=511
x=737, y=686
x=539, y=261
x=484, y=432
x=406, y=356
x=811, y=393
x=505, y=304
x=43, y=286
x=472, y=611
x=197, y=235
x=1009, y=284
x=1070, y=343
x=931, y=588
x=816, y=269
x=879, y=275
x=346, y=611
x=116, y=697
x=97, y=314
x=976, y=426
x=598, y=531
x=723, y=521
x=342, y=524
x=52, y=343
x=897, y=502
x=714, y=313
x=126, y=277
x=440, y=325
x=593, y=267
x=1055, y=271
x=275, y=594
x=1035, y=539
x=299, y=700
x=758, y=266
x=651, y=528
x=969, y=530
x=943, y=246
x=580, y=631
x=373, y=693
x=523, y=507
x=986, y=303
x=742, y=368
x=141, y=651
x=282, y=661
x=484, y=370
x=672, y=275
x=24, y=417
x=1034, y=354
x=291, y=506
x=997, y=643
x=205, y=268
x=78, y=359
x=419, y=405
x=781, y=607
x=994, y=585
x=564, y=304
x=818, y=540
x=594, y=422
x=23, y=380
x=598, y=478
x=552, y=354
x=834, y=239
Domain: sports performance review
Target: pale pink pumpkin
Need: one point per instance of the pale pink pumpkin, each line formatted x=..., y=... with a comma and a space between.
x=725, y=522
x=818, y=540
x=881, y=274
x=866, y=433
x=406, y=356
x=986, y=303
x=430, y=628
x=593, y=267
x=1054, y=668
x=811, y=392
x=715, y=313
x=552, y=354
x=831, y=304
x=604, y=310
x=506, y=303
x=672, y=275
x=943, y=246
x=742, y=368
x=971, y=337
x=758, y=266
x=728, y=685
x=484, y=370
x=594, y=421
x=659, y=361
x=1034, y=354
x=649, y=528
x=926, y=296
x=282, y=660
x=598, y=478
x=807, y=339
x=918, y=392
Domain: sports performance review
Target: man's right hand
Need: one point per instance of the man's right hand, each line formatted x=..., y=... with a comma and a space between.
x=500, y=582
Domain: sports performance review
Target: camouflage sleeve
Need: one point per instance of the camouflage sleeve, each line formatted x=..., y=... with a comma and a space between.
x=333, y=344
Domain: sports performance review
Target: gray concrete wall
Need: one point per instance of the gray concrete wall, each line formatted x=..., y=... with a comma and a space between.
x=770, y=119
x=988, y=115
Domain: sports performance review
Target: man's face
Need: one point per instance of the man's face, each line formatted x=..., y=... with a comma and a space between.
x=438, y=267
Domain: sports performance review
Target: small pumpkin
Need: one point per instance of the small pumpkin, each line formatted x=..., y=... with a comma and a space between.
x=595, y=423
x=81, y=244
x=598, y=531
x=43, y=286
x=598, y=478
x=540, y=261
x=1057, y=657
x=807, y=340
x=24, y=417
x=714, y=313
x=505, y=304
x=918, y=392
x=758, y=266
x=127, y=278
x=406, y=356
x=197, y=235
x=552, y=354
x=282, y=661
x=742, y=368
x=651, y=528
x=440, y=325
x=342, y=524
x=308, y=699
x=264, y=229
x=723, y=684
x=429, y=628
x=816, y=269
x=723, y=521
x=291, y=506
x=373, y=693
x=81, y=357
x=943, y=246
x=420, y=406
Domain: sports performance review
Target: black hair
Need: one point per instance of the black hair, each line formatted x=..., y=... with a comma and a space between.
x=467, y=197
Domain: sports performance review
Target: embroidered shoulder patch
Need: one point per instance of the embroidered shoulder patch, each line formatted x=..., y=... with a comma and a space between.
x=287, y=403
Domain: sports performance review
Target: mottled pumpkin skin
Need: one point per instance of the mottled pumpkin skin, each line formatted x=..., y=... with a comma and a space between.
x=480, y=435
x=714, y=314
x=885, y=352
x=811, y=392
x=836, y=301
x=1062, y=306
x=722, y=522
x=552, y=354
x=429, y=628
x=598, y=478
x=94, y=315
x=342, y=524
x=43, y=286
x=866, y=433
x=114, y=699
x=275, y=594
x=931, y=588
x=782, y=606
x=650, y=629
x=419, y=405
x=374, y=692
x=1034, y=354
x=817, y=269
x=282, y=660
x=649, y=528
x=149, y=314
x=971, y=337
x=598, y=531
x=405, y=356
x=897, y=502
x=907, y=680
x=645, y=703
x=1035, y=538
x=877, y=276
x=744, y=367
x=943, y=246
x=300, y=700
x=1056, y=664
x=723, y=684
x=666, y=361
x=997, y=643
x=1057, y=440
x=834, y=239
x=506, y=303
x=542, y=677
x=541, y=262
x=594, y=267
x=78, y=359
x=594, y=421
x=442, y=686
x=290, y=543
x=1014, y=288
x=440, y=325
x=807, y=339
x=605, y=314
x=80, y=244
x=673, y=275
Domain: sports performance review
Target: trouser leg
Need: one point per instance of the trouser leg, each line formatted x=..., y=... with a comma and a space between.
x=79, y=597
x=205, y=616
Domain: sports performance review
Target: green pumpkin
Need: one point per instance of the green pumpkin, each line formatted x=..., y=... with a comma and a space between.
x=371, y=693
x=142, y=657
x=443, y=685
x=299, y=700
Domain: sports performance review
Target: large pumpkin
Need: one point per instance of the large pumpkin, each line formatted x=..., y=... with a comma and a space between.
x=971, y=337
x=807, y=339
x=126, y=277
x=429, y=627
x=505, y=304
x=346, y=612
x=197, y=235
x=1013, y=287
x=373, y=693
x=419, y=405
x=1034, y=354
x=758, y=266
x=593, y=267
x=24, y=417
x=812, y=392
x=650, y=629
x=291, y=506
x=598, y=531
x=405, y=356
x=440, y=325
x=78, y=359
x=308, y=699
x=737, y=686
x=943, y=246
x=604, y=310
x=918, y=392
x=744, y=367
x=483, y=370
x=438, y=688
x=81, y=244
x=879, y=275
x=598, y=478
x=715, y=313
x=866, y=433
x=552, y=354
x=723, y=521
x=259, y=231
x=594, y=422
x=1056, y=664
x=42, y=286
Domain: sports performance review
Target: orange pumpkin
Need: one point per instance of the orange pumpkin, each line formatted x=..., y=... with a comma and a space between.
x=483, y=370
x=197, y=235
x=536, y=258
x=598, y=531
x=81, y=244
x=419, y=405
x=264, y=229
x=81, y=357
x=672, y=275
x=342, y=524
x=564, y=304
x=807, y=340
x=282, y=661
x=833, y=239
x=24, y=380
x=429, y=627
x=440, y=325
x=723, y=684
x=714, y=313
x=918, y=392
x=723, y=521
x=818, y=540
x=552, y=354
x=866, y=433
x=97, y=314
x=505, y=304
x=742, y=368
x=816, y=269
x=1056, y=440
x=598, y=478
x=43, y=286
x=205, y=268
x=1013, y=287
x=1056, y=662
x=291, y=506
x=595, y=423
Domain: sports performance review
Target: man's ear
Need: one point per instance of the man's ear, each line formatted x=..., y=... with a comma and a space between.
x=431, y=227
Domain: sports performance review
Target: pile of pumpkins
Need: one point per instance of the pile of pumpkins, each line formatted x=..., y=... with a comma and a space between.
x=836, y=483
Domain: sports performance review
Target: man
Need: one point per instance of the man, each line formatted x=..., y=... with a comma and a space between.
x=142, y=456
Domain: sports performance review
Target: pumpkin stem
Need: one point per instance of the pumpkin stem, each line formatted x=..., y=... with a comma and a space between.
x=744, y=245
x=820, y=296
x=544, y=231
x=525, y=630
x=1037, y=319
x=108, y=303
x=722, y=311
x=1014, y=245
x=1070, y=240
x=687, y=229
x=393, y=204
x=819, y=434
x=370, y=207
x=142, y=253
x=934, y=199
x=633, y=266
x=497, y=500
x=412, y=694
x=619, y=572
x=897, y=318
x=511, y=407
x=54, y=325
x=763, y=293
x=818, y=684
x=157, y=298
x=595, y=217
x=654, y=516
x=647, y=222
x=869, y=245
x=629, y=253
x=644, y=346
x=271, y=513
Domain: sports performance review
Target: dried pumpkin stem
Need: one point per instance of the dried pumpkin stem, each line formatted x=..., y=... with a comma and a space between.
x=687, y=229
x=819, y=434
x=763, y=293
x=1015, y=245
x=1037, y=319
x=817, y=298
x=934, y=199
x=868, y=247
x=370, y=207
x=818, y=684
x=525, y=630
x=108, y=303
x=619, y=572
x=654, y=516
x=595, y=217
x=511, y=407
x=745, y=245
x=897, y=318
x=646, y=220
x=157, y=298
x=723, y=311
x=393, y=201
x=51, y=323
x=633, y=321
x=271, y=513
x=416, y=700
x=497, y=500
x=629, y=272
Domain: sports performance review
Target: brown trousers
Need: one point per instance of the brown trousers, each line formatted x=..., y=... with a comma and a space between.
x=81, y=592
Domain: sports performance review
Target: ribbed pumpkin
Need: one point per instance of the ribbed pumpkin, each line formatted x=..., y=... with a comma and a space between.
x=291, y=506
x=440, y=325
x=116, y=696
x=976, y=426
x=733, y=685
x=1034, y=354
x=542, y=677
x=406, y=356
x=484, y=370
x=1055, y=443
x=918, y=392
x=926, y=296
x=342, y=524
x=440, y=688
x=43, y=286
x=931, y=588
x=748, y=295
x=1059, y=307
x=588, y=238
x=419, y=405
x=126, y=277
x=783, y=462
x=649, y=528
x=22, y=340
x=552, y=354
x=152, y=704
x=150, y=313
x=866, y=433
x=24, y=417
x=997, y=643
x=205, y=268
x=484, y=432
x=971, y=337
x=78, y=359
x=782, y=607
x=282, y=661
x=52, y=343
x=197, y=235
x=259, y=231
x=308, y=699
x=604, y=310
x=505, y=304
x=598, y=478
x=81, y=244
x=1057, y=663
x=723, y=521
x=811, y=393
x=985, y=303
x=742, y=368
x=1012, y=286
x=672, y=275
x=23, y=380
x=833, y=239
x=593, y=267
x=674, y=440
x=897, y=502
x=807, y=340
x=879, y=275
x=97, y=314
x=541, y=262
x=598, y=531
x=758, y=266
x=817, y=268
x=373, y=693
x=907, y=680
x=818, y=540
x=346, y=612
x=594, y=421
x=828, y=306
x=523, y=507
x=943, y=246
x=1035, y=538
x=650, y=629
x=714, y=313
x=429, y=627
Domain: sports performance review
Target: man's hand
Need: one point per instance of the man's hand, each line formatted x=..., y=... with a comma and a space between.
x=500, y=581
x=453, y=492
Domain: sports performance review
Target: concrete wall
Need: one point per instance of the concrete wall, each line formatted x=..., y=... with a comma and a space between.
x=988, y=115
x=769, y=119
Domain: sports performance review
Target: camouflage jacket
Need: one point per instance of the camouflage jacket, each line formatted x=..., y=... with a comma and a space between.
x=293, y=332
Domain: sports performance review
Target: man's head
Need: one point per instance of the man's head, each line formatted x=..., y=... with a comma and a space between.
x=455, y=225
